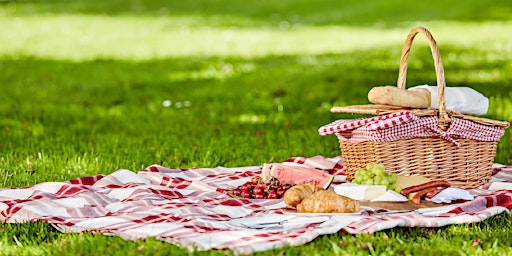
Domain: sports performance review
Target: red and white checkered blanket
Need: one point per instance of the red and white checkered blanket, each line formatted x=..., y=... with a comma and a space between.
x=187, y=207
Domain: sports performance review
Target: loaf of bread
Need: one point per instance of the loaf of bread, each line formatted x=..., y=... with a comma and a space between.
x=394, y=96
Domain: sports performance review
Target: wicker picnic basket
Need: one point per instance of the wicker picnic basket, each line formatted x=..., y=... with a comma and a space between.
x=466, y=166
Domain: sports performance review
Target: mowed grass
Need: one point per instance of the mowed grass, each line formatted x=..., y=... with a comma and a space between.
x=90, y=87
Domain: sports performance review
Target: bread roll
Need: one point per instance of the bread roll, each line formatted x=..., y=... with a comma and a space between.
x=294, y=195
x=327, y=201
x=394, y=96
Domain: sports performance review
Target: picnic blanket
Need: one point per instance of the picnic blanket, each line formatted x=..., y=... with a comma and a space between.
x=187, y=207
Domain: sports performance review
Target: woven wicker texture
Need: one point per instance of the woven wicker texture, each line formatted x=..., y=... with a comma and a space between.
x=466, y=166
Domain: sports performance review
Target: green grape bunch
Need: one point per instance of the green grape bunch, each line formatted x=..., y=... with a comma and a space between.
x=375, y=174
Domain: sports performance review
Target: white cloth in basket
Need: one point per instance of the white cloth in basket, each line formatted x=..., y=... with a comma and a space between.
x=462, y=100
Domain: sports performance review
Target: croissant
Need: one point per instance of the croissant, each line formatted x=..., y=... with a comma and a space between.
x=294, y=195
x=328, y=201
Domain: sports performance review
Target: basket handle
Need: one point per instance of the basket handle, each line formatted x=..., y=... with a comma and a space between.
x=444, y=119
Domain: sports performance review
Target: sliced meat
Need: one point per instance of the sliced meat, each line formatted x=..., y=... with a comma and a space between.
x=431, y=184
x=433, y=193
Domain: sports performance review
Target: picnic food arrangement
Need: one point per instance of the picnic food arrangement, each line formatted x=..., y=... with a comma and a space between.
x=310, y=198
x=306, y=196
x=415, y=163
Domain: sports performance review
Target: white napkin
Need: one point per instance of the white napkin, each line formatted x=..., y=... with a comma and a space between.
x=498, y=185
x=462, y=100
x=451, y=194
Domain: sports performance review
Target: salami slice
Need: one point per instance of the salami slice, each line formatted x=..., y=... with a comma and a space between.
x=431, y=184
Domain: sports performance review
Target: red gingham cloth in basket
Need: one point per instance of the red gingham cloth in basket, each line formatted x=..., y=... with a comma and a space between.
x=405, y=125
x=376, y=122
x=187, y=207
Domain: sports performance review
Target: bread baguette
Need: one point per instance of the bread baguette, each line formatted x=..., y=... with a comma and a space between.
x=394, y=96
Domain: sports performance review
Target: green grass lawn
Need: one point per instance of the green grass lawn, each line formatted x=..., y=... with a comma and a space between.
x=90, y=87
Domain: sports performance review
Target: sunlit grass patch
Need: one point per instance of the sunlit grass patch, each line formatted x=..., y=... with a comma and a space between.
x=85, y=37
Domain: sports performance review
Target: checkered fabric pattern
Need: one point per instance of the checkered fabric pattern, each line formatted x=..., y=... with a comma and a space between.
x=405, y=125
x=187, y=207
x=501, y=173
x=376, y=122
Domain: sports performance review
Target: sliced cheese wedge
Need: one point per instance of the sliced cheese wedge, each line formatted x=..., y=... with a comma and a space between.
x=374, y=191
x=407, y=181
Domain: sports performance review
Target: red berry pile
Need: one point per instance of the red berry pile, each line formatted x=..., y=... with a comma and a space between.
x=257, y=189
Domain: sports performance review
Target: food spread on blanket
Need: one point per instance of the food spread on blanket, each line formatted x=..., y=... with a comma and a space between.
x=307, y=189
x=384, y=186
x=277, y=178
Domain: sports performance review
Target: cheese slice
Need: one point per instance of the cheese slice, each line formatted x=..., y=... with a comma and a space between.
x=390, y=196
x=407, y=181
x=374, y=191
x=351, y=190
